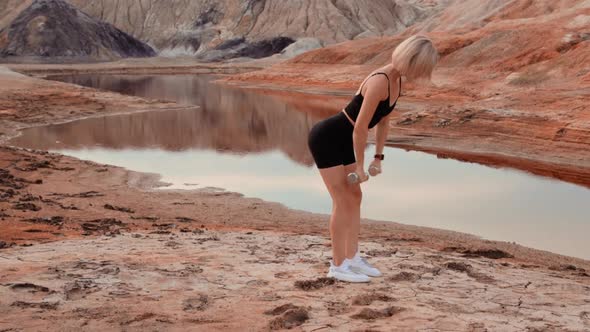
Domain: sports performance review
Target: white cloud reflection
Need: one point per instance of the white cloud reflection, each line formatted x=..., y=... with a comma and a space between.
x=415, y=188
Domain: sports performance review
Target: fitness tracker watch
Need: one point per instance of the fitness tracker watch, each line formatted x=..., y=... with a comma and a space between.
x=380, y=156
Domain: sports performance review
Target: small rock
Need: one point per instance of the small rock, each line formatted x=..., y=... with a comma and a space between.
x=404, y=276
x=458, y=266
x=40, y=305
x=198, y=303
x=308, y=285
x=488, y=253
x=118, y=208
x=281, y=309
x=291, y=318
x=29, y=287
x=443, y=123
x=185, y=219
x=367, y=299
x=26, y=207
x=372, y=314
x=4, y=245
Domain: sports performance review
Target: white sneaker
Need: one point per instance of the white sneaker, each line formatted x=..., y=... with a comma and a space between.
x=360, y=265
x=344, y=273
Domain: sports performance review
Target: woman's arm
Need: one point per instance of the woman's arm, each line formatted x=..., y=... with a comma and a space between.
x=380, y=137
x=382, y=131
x=376, y=90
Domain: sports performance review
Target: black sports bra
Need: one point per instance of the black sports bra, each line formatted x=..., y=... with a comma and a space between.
x=383, y=109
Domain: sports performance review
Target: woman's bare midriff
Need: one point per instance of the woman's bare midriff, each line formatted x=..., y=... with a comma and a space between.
x=348, y=117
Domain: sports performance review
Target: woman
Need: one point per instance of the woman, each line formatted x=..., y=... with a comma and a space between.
x=338, y=148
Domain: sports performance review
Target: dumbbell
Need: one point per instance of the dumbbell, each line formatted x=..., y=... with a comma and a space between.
x=374, y=170
x=353, y=178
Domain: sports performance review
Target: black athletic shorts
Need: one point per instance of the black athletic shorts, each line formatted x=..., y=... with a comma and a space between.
x=330, y=142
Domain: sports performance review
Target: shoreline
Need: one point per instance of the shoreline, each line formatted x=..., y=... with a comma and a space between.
x=150, y=184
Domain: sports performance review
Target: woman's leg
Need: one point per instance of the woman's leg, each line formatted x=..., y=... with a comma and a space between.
x=352, y=239
x=342, y=214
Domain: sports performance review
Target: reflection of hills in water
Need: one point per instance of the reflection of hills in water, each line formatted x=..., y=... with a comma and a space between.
x=228, y=120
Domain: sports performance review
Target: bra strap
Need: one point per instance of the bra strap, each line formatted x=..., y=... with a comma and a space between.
x=388, y=89
x=388, y=84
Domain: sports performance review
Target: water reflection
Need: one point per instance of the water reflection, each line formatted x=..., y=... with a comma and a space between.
x=229, y=120
x=257, y=145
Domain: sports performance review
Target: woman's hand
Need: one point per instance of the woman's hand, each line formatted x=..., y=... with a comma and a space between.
x=363, y=176
x=376, y=167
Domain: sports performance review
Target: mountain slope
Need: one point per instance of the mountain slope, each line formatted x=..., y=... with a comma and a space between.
x=54, y=28
x=184, y=26
x=486, y=37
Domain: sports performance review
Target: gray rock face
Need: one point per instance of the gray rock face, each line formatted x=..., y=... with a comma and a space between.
x=54, y=28
x=194, y=27
x=240, y=48
x=302, y=45
x=199, y=27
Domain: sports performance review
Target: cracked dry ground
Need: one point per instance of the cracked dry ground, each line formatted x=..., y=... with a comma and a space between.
x=258, y=280
x=207, y=261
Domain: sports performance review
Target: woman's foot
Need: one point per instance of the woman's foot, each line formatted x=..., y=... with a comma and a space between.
x=344, y=273
x=360, y=265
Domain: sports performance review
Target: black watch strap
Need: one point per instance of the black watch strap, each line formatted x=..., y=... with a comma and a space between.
x=380, y=156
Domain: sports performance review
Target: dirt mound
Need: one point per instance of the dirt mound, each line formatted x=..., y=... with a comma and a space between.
x=54, y=28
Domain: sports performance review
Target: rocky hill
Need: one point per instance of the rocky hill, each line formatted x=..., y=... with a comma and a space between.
x=535, y=40
x=55, y=28
x=185, y=26
x=525, y=42
x=178, y=27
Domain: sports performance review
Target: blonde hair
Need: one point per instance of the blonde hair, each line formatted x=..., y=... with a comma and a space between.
x=415, y=58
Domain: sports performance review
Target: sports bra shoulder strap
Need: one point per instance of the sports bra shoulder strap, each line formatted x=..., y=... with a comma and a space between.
x=377, y=73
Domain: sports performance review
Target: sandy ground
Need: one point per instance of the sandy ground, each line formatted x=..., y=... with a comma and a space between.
x=205, y=280
x=92, y=239
x=93, y=246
